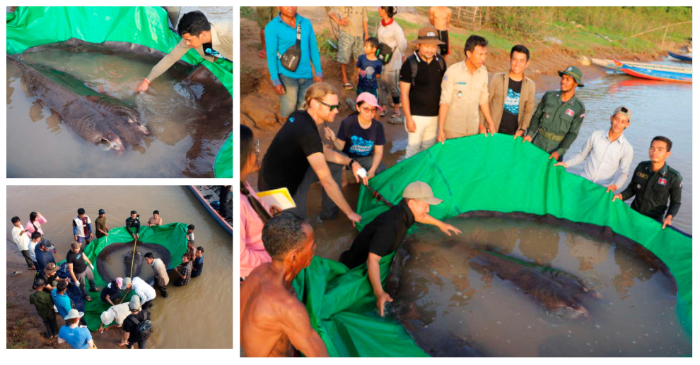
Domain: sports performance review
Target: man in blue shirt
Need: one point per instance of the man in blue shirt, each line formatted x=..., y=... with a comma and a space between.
x=61, y=299
x=43, y=255
x=198, y=264
x=280, y=35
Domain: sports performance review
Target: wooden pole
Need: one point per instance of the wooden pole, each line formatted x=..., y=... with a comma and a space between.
x=663, y=41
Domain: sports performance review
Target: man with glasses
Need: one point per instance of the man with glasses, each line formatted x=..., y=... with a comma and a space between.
x=607, y=153
x=297, y=157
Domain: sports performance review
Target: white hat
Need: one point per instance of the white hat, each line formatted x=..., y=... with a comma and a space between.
x=107, y=317
x=73, y=313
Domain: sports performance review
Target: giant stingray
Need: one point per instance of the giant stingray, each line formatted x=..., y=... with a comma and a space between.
x=214, y=123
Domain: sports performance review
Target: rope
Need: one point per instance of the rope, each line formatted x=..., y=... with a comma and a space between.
x=133, y=256
x=379, y=197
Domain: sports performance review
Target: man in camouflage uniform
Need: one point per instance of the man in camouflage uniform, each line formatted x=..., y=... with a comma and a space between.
x=653, y=183
x=558, y=117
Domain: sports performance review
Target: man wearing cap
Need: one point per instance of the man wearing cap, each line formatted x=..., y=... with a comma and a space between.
x=131, y=324
x=419, y=82
x=101, y=225
x=558, y=117
x=160, y=273
x=78, y=337
x=607, y=153
x=465, y=91
x=387, y=231
x=654, y=182
x=43, y=255
x=44, y=307
x=114, y=314
x=48, y=274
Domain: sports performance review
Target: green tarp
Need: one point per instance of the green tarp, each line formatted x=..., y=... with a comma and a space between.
x=476, y=174
x=172, y=236
x=223, y=167
x=34, y=26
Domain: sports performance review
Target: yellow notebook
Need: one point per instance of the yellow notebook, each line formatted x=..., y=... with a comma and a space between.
x=279, y=197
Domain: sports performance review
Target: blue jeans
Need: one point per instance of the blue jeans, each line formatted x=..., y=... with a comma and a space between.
x=294, y=92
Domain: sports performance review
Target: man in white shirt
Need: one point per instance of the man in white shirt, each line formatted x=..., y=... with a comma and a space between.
x=36, y=238
x=145, y=292
x=608, y=154
x=82, y=226
x=21, y=239
x=115, y=314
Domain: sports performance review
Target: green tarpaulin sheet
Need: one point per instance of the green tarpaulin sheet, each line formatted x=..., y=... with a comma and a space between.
x=148, y=26
x=223, y=167
x=172, y=236
x=475, y=174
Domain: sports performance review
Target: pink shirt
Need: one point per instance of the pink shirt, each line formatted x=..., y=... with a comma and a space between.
x=29, y=227
x=253, y=252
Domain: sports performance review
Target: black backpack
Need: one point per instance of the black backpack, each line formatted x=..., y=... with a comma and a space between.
x=384, y=53
x=413, y=59
x=143, y=329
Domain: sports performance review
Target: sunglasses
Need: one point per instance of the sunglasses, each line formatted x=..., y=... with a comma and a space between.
x=367, y=109
x=332, y=107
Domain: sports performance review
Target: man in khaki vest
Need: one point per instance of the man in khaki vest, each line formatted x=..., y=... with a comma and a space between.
x=212, y=40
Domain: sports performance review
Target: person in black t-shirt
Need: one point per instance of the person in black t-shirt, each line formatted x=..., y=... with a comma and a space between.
x=387, y=231
x=297, y=157
x=79, y=271
x=420, y=91
x=361, y=136
x=133, y=224
x=512, y=95
x=131, y=323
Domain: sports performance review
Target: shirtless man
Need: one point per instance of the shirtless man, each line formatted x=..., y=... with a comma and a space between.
x=440, y=19
x=155, y=219
x=273, y=321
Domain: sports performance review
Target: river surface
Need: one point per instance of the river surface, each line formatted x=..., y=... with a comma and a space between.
x=181, y=143
x=206, y=302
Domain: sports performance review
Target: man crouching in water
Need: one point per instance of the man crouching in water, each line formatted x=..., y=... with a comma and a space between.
x=273, y=321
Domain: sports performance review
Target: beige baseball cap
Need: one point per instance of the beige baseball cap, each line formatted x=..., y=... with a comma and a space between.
x=421, y=191
x=624, y=111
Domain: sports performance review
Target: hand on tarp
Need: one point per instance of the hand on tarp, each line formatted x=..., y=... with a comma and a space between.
x=668, y=221
x=354, y=218
x=382, y=299
x=611, y=187
x=441, y=136
x=554, y=155
x=519, y=133
x=527, y=139
x=560, y=164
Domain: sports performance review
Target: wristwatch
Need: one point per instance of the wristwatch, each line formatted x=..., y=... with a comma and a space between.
x=350, y=164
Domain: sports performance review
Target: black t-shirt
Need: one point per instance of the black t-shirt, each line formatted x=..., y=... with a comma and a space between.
x=78, y=261
x=112, y=290
x=381, y=237
x=285, y=163
x=511, y=108
x=131, y=326
x=425, y=93
x=360, y=142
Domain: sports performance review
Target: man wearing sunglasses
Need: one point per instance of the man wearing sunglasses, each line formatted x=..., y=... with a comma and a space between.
x=607, y=153
x=297, y=157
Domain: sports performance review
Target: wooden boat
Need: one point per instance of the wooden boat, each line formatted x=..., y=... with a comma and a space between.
x=610, y=64
x=682, y=57
x=206, y=195
x=657, y=72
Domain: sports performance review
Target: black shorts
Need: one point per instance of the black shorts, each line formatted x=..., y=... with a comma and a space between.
x=445, y=37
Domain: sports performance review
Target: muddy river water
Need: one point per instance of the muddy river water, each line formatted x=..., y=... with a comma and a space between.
x=453, y=309
x=206, y=302
x=184, y=135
